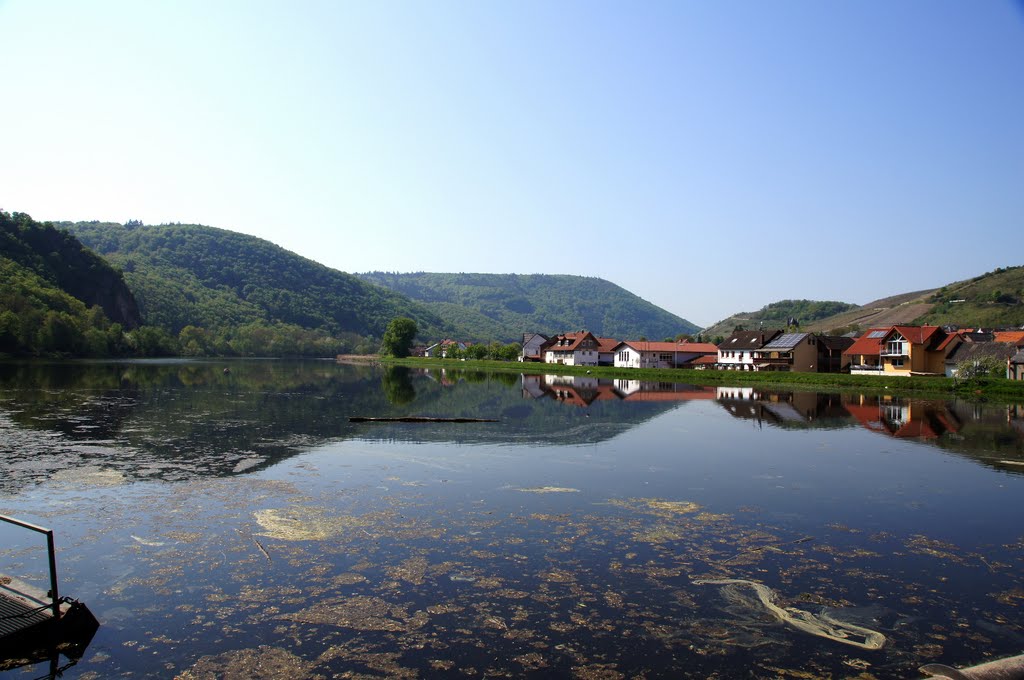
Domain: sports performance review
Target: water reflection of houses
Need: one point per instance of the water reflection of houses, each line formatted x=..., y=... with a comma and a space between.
x=778, y=407
x=903, y=418
x=579, y=390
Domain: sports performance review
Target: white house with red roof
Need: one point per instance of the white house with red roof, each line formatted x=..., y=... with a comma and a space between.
x=579, y=349
x=644, y=354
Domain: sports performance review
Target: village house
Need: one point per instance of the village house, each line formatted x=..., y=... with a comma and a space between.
x=644, y=354
x=736, y=353
x=916, y=350
x=802, y=353
x=1015, y=369
x=579, y=349
x=531, y=348
x=864, y=356
x=970, y=352
x=443, y=348
x=902, y=350
x=797, y=352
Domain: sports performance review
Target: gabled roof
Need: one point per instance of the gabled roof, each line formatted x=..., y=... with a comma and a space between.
x=686, y=347
x=1016, y=337
x=979, y=350
x=573, y=340
x=869, y=344
x=917, y=335
x=646, y=346
x=835, y=342
x=747, y=340
x=712, y=360
x=785, y=342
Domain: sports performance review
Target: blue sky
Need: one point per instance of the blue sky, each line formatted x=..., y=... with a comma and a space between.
x=711, y=157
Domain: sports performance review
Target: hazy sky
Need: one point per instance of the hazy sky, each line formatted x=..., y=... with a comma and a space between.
x=711, y=157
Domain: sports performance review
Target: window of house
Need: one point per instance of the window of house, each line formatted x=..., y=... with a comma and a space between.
x=897, y=363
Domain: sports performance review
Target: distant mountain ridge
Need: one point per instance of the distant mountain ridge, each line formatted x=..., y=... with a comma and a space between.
x=504, y=306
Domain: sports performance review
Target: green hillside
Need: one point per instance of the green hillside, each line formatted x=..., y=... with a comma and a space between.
x=776, y=315
x=192, y=276
x=991, y=300
x=504, y=306
x=58, y=297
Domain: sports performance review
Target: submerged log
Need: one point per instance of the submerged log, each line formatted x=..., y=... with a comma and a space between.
x=419, y=419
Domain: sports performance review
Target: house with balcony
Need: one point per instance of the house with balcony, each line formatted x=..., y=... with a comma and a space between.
x=736, y=353
x=864, y=356
x=916, y=350
x=790, y=352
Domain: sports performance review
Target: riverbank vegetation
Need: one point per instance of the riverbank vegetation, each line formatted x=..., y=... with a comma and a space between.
x=979, y=387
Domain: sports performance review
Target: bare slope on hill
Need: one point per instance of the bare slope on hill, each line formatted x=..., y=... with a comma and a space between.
x=896, y=309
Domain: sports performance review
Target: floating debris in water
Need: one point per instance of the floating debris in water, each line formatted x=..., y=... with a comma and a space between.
x=823, y=625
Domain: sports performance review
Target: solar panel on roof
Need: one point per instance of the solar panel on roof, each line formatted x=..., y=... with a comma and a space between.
x=876, y=334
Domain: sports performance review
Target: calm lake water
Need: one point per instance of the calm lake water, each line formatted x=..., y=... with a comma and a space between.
x=237, y=524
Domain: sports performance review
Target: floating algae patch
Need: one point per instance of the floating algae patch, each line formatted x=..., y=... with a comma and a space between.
x=304, y=523
x=261, y=663
x=922, y=545
x=823, y=625
x=657, y=506
x=412, y=570
x=91, y=476
x=360, y=613
x=549, y=489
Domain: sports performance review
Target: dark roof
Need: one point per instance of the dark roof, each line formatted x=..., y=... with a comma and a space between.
x=748, y=340
x=836, y=343
x=982, y=350
x=786, y=341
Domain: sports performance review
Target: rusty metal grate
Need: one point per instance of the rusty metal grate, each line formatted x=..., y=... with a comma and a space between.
x=16, y=616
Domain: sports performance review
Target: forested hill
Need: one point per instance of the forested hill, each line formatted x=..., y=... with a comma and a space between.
x=504, y=306
x=777, y=314
x=191, y=275
x=59, y=259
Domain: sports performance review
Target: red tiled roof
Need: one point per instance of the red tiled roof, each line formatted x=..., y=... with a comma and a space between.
x=603, y=344
x=692, y=347
x=866, y=345
x=949, y=340
x=1014, y=337
x=699, y=347
x=706, y=359
x=917, y=335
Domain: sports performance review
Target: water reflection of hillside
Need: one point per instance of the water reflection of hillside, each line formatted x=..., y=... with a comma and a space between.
x=176, y=420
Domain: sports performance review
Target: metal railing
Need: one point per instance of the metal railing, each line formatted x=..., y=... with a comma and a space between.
x=51, y=553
